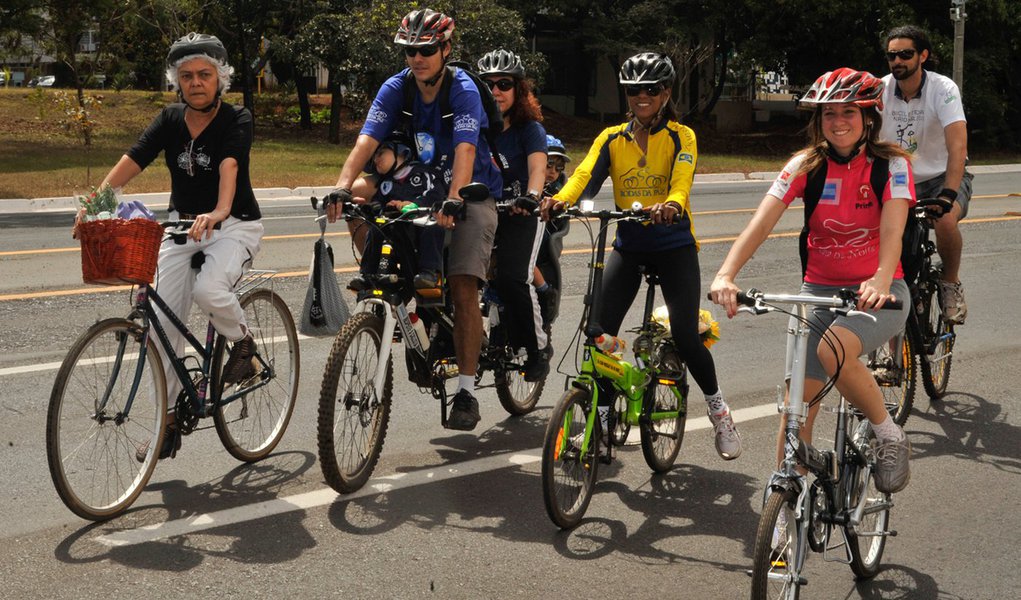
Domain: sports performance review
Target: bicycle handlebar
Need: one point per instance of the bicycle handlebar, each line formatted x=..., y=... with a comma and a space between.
x=934, y=207
x=638, y=214
x=847, y=299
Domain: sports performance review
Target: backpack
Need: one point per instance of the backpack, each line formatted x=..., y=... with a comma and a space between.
x=489, y=106
x=912, y=243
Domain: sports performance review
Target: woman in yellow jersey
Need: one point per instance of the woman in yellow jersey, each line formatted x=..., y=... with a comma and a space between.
x=651, y=160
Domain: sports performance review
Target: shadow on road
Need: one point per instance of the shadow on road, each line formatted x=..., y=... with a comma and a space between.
x=896, y=582
x=973, y=429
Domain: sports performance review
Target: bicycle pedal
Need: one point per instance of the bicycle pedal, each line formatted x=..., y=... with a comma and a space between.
x=891, y=533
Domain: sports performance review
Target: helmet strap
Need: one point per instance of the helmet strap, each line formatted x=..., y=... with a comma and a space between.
x=443, y=67
x=212, y=105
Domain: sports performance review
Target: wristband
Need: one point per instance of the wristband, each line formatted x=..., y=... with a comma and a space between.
x=948, y=193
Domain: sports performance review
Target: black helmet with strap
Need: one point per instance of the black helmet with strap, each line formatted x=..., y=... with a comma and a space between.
x=197, y=43
x=501, y=62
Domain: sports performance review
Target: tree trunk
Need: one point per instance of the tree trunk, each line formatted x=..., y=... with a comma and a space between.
x=581, y=80
x=720, y=82
x=336, y=96
x=301, y=85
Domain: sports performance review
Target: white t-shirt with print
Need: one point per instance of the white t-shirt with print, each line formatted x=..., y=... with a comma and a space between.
x=917, y=125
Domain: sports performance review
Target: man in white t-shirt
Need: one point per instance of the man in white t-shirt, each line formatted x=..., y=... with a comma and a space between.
x=923, y=113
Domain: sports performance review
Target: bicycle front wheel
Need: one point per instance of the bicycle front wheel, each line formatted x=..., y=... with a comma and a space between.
x=662, y=437
x=251, y=426
x=893, y=367
x=867, y=539
x=104, y=426
x=936, y=366
x=568, y=474
x=353, y=418
x=776, y=570
x=517, y=396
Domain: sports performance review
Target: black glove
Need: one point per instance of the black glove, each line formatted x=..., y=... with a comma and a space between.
x=340, y=195
x=452, y=207
x=529, y=203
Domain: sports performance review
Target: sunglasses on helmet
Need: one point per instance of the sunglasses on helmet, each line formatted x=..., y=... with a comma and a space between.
x=906, y=54
x=504, y=85
x=651, y=89
x=427, y=51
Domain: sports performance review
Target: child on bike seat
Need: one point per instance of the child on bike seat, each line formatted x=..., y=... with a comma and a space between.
x=401, y=180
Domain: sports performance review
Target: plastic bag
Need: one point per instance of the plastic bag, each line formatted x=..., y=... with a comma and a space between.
x=325, y=310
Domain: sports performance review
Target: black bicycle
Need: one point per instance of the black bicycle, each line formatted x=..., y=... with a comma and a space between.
x=108, y=408
x=928, y=337
x=357, y=389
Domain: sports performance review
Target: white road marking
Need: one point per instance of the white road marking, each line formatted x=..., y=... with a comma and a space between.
x=375, y=486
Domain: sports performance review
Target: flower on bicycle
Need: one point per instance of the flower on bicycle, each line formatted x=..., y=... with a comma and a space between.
x=99, y=201
x=708, y=328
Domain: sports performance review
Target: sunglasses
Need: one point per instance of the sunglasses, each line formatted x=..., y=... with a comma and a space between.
x=906, y=54
x=651, y=89
x=552, y=165
x=412, y=51
x=504, y=85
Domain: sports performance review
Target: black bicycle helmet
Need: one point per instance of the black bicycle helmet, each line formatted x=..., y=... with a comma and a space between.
x=424, y=27
x=197, y=43
x=647, y=68
x=501, y=62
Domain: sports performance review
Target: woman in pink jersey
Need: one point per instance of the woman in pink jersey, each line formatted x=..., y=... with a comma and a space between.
x=853, y=241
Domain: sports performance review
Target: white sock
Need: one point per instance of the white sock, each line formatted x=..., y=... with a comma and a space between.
x=888, y=431
x=466, y=382
x=717, y=406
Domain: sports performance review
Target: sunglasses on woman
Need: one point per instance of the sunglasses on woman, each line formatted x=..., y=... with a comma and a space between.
x=503, y=85
x=427, y=51
x=651, y=89
x=906, y=54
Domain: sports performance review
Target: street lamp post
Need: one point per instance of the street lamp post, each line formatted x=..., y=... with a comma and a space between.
x=957, y=15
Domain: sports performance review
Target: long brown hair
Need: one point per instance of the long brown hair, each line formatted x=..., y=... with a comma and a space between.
x=526, y=106
x=816, y=150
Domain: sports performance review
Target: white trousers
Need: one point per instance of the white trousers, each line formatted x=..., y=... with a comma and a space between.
x=229, y=251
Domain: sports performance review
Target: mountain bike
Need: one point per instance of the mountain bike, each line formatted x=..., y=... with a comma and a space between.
x=800, y=512
x=108, y=407
x=357, y=389
x=650, y=394
x=928, y=338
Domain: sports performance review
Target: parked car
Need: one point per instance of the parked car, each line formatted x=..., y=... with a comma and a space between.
x=42, y=81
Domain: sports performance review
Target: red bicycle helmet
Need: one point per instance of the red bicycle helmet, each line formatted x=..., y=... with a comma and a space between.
x=424, y=27
x=861, y=88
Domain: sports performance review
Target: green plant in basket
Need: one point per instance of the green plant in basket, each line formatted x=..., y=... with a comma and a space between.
x=102, y=200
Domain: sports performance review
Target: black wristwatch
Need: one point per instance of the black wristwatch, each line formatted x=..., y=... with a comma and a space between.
x=947, y=193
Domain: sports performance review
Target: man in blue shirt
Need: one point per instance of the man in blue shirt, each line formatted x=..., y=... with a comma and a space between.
x=458, y=147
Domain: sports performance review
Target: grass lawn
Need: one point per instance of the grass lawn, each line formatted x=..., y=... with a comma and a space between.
x=39, y=159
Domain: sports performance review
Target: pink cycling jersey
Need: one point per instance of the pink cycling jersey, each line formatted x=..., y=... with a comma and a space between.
x=843, y=232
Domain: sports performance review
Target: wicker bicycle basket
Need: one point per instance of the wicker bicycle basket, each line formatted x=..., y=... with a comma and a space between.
x=119, y=251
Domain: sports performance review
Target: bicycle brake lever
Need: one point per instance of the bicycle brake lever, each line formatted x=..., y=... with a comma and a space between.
x=855, y=313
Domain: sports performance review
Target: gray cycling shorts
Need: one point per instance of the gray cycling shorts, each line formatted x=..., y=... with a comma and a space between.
x=872, y=334
x=931, y=187
x=471, y=242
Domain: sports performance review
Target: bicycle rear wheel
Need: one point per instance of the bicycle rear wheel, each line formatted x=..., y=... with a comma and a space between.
x=662, y=438
x=353, y=419
x=568, y=478
x=867, y=540
x=895, y=377
x=936, y=366
x=517, y=396
x=251, y=426
x=777, y=559
x=100, y=451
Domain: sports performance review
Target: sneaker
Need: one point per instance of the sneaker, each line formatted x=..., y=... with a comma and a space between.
x=547, y=304
x=728, y=440
x=892, y=470
x=171, y=444
x=537, y=366
x=239, y=366
x=427, y=280
x=358, y=283
x=954, y=307
x=464, y=414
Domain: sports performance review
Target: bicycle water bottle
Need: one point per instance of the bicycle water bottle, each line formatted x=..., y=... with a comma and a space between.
x=419, y=327
x=611, y=344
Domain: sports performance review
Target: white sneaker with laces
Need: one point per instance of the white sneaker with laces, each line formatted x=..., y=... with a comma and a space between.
x=954, y=308
x=728, y=440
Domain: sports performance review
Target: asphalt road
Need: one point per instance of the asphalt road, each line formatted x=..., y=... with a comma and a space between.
x=460, y=515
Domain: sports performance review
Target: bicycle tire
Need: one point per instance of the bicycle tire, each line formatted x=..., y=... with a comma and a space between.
x=98, y=474
x=866, y=550
x=662, y=439
x=251, y=426
x=936, y=366
x=782, y=563
x=568, y=479
x=897, y=384
x=517, y=396
x=351, y=438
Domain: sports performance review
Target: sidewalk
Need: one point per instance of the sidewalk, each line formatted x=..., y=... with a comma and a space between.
x=159, y=200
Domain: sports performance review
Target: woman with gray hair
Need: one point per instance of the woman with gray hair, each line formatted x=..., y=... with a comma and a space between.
x=206, y=145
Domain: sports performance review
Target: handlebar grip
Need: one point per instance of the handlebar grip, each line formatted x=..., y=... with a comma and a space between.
x=742, y=298
x=893, y=305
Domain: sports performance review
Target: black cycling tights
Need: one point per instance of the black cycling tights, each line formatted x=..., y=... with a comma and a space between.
x=681, y=283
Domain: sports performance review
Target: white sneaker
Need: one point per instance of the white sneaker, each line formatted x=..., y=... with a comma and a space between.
x=954, y=308
x=728, y=440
